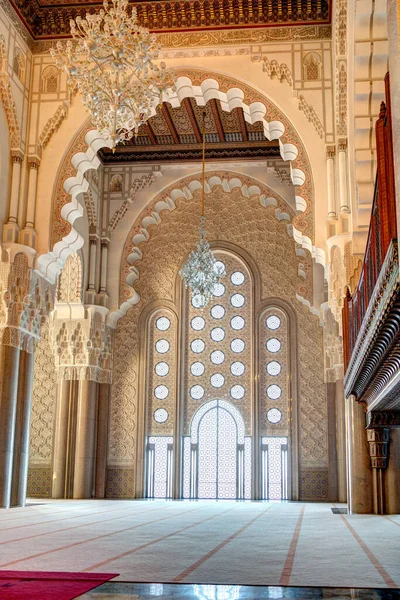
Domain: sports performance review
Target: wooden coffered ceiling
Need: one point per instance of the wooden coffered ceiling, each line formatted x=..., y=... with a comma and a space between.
x=49, y=19
x=176, y=134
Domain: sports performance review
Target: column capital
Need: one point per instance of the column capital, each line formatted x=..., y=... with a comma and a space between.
x=330, y=152
x=17, y=156
x=378, y=441
x=342, y=144
x=33, y=162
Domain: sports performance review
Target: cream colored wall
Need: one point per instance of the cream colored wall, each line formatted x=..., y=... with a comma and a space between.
x=5, y=170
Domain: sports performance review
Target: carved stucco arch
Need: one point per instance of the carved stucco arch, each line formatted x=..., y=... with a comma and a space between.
x=7, y=100
x=166, y=200
x=202, y=86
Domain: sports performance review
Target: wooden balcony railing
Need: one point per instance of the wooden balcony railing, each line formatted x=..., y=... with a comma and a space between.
x=382, y=231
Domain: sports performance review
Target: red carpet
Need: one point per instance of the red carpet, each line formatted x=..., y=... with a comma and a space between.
x=42, y=585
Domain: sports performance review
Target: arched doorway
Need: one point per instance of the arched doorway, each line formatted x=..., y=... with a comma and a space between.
x=214, y=453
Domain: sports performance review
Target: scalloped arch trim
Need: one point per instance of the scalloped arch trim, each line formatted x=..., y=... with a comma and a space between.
x=184, y=190
x=50, y=264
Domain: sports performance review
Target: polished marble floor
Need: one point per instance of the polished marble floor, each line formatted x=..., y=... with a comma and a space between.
x=162, y=591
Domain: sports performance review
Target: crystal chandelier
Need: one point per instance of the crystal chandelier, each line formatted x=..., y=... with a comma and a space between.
x=202, y=272
x=111, y=61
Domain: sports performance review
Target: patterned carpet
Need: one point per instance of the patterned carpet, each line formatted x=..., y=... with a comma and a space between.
x=296, y=544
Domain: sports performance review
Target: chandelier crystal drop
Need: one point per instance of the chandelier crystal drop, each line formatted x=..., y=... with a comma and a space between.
x=202, y=271
x=111, y=61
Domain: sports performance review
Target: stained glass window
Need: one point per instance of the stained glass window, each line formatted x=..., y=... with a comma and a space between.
x=218, y=311
x=163, y=323
x=161, y=392
x=219, y=290
x=162, y=346
x=237, y=300
x=217, y=357
x=273, y=345
x=237, y=278
x=217, y=380
x=198, y=346
x=198, y=323
x=217, y=334
x=237, y=368
x=162, y=369
x=197, y=369
x=237, y=323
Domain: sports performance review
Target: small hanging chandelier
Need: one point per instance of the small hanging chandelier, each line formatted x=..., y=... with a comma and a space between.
x=201, y=272
x=111, y=61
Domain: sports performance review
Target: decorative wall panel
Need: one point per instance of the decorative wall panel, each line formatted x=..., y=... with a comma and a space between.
x=255, y=230
x=42, y=418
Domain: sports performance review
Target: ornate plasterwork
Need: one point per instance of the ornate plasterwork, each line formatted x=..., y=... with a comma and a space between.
x=80, y=337
x=190, y=83
x=25, y=301
x=254, y=228
x=69, y=288
x=7, y=100
x=43, y=402
x=341, y=67
x=333, y=348
x=199, y=43
x=277, y=71
x=138, y=184
x=311, y=115
x=188, y=190
x=52, y=125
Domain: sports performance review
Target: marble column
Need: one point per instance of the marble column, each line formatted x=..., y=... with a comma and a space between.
x=343, y=191
x=61, y=439
x=101, y=441
x=9, y=366
x=378, y=441
x=91, y=291
x=330, y=182
x=22, y=425
x=103, y=296
x=341, y=441
x=11, y=229
x=359, y=475
x=392, y=474
x=85, y=445
x=28, y=235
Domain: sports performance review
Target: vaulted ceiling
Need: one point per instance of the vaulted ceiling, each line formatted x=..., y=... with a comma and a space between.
x=49, y=19
x=176, y=134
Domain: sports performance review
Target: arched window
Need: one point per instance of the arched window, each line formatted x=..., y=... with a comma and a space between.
x=116, y=183
x=50, y=80
x=274, y=396
x=19, y=64
x=217, y=397
x=312, y=66
x=161, y=402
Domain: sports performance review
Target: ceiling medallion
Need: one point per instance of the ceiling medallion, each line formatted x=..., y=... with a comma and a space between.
x=202, y=272
x=111, y=61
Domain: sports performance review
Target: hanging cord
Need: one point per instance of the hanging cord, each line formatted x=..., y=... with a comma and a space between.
x=203, y=165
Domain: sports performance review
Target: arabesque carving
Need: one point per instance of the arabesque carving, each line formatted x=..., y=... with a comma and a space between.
x=25, y=301
x=311, y=115
x=80, y=337
x=242, y=221
x=277, y=71
x=52, y=125
x=7, y=100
